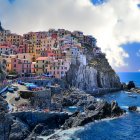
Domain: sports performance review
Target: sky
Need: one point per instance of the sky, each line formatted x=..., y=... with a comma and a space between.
x=114, y=23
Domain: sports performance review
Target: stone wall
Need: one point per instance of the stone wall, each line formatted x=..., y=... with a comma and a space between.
x=41, y=99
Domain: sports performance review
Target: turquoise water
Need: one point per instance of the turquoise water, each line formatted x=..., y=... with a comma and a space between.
x=126, y=127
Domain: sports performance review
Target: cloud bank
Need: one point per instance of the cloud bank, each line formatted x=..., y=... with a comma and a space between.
x=113, y=23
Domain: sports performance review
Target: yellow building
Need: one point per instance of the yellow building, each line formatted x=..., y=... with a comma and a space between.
x=8, y=65
x=40, y=66
x=14, y=39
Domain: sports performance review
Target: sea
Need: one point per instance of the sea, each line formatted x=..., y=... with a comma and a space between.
x=126, y=127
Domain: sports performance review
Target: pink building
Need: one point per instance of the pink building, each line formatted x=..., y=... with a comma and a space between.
x=57, y=68
x=23, y=49
x=33, y=69
x=21, y=66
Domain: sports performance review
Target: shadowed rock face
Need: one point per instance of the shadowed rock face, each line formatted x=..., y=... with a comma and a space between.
x=1, y=29
x=96, y=74
x=132, y=108
x=100, y=111
x=93, y=109
x=2, y=70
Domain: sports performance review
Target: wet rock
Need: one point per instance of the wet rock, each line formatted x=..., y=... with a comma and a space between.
x=47, y=132
x=51, y=119
x=3, y=105
x=38, y=129
x=97, y=111
x=91, y=107
x=6, y=121
x=19, y=130
x=131, y=85
x=67, y=102
x=132, y=108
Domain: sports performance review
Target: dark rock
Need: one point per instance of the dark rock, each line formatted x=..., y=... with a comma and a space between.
x=3, y=105
x=116, y=110
x=19, y=130
x=1, y=29
x=132, y=108
x=91, y=107
x=38, y=129
x=52, y=120
x=47, y=132
x=95, y=111
x=74, y=114
x=6, y=121
x=67, y=102
x=130, y=85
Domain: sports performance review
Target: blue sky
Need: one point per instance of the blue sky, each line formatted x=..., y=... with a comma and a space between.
x=134, y=57
x=115, y=23
x=98, y=2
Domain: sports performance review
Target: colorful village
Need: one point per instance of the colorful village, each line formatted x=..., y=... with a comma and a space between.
x=34, y=60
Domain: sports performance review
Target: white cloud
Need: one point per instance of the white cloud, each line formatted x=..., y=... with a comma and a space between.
x=113, y=23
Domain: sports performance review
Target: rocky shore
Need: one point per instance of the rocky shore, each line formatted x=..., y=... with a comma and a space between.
x=131, y=87
x=29, y=125
x=134, y=90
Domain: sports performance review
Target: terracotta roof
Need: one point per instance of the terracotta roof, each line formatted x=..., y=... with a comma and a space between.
x=4, y=47
x=42, y=58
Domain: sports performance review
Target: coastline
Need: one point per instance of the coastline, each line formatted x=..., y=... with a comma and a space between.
x=33, y=121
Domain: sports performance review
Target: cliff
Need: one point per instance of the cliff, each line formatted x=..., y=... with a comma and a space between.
x=96, y=75
x=1, y=29
x=2, y=69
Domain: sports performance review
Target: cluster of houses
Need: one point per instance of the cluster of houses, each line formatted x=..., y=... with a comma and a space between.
x=50, y=52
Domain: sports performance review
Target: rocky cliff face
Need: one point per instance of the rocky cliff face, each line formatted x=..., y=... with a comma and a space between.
x=2, y=69
x=1, y=29
x=97, y=73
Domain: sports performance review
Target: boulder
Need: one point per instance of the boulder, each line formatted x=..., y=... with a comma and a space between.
x=91, y=107
x=67, y=102
x=132, y=108
x=3, y=105
x=47, y=132
x=19, y=130
x=116, y=110
x=95, y=111
x=130, y=85
x=38, y=129
x=6, y=121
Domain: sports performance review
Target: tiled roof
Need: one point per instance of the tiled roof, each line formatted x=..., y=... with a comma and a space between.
x=42, y=58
